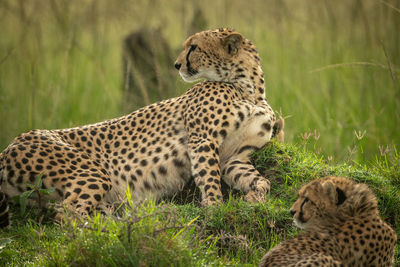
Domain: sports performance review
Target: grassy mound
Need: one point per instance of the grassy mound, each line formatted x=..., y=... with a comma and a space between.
x=181, y=233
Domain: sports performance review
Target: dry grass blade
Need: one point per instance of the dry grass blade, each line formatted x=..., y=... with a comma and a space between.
x=349, y=64
x=9, y=52
x=390, y=66
x=391, y=6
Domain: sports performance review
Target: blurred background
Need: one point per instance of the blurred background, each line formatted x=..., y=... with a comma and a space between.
x=332, y=67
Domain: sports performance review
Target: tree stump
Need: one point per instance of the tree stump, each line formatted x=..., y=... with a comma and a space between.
x=149, y=75
x=148, y=65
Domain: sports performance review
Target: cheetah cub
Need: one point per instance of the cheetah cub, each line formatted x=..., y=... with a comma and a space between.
x=206, y=134
x=342, y=227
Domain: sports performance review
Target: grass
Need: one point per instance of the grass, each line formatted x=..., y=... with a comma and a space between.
x=185, y=234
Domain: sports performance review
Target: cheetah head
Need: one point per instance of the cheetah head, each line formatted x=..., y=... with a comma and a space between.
x=216, y=55
x=317, y=201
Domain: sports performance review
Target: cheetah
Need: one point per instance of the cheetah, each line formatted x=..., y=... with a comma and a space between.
x=342, y=228
x=207, y=133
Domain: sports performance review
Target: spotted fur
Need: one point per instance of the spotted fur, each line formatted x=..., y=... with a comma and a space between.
x=342, y=228
x=206, y=133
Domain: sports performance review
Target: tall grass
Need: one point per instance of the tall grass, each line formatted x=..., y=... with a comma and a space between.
x=332, y=68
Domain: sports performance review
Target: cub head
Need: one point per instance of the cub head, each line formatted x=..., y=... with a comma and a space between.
x=317, y=201
x=215, y=55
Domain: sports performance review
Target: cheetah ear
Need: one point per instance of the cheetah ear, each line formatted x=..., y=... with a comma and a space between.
x=329, y=189
x=232, y=42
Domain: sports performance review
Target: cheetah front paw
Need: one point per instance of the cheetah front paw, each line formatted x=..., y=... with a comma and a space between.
x=260, y=189
x=261, y=185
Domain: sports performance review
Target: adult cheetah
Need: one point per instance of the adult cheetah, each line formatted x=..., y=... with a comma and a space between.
x=206, y=133
x=342, y=228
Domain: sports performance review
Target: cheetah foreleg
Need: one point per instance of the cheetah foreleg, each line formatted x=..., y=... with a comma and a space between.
x=205, y=169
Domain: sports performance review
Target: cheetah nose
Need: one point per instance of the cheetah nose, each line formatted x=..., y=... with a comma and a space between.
x=178, y=66
x=293, y=212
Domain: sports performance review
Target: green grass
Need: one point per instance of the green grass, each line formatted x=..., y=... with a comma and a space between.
x=186, y=234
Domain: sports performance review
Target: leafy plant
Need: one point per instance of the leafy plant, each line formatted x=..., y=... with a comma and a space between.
x=34, y=189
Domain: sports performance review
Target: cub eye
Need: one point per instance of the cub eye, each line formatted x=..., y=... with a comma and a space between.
x=305, y=200
x=193, y=47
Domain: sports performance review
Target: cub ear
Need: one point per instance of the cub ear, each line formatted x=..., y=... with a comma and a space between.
x=341, y=197
x=232, y=42
x=329, y=189
x=336, y=195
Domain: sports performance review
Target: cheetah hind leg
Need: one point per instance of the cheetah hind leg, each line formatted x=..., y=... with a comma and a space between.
x=260, y=185
x=104, y=209
x=84, y=196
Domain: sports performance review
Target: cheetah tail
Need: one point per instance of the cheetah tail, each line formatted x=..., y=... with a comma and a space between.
x=4, y=216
